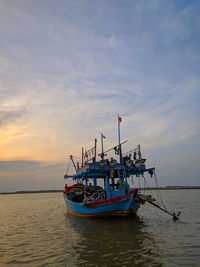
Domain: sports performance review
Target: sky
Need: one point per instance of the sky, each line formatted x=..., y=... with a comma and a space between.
x=68, y=68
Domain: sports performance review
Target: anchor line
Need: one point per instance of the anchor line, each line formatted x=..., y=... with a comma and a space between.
x=160, y=199
x=161, y=203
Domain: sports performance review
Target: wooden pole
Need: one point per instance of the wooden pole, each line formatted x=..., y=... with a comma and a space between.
x=102, y=154
x=82, y=156
x=95, y=150
x=172, y=214
x=120, y=151
x=115, y=146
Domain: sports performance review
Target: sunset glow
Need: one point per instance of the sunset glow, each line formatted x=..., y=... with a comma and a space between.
x=68, y=68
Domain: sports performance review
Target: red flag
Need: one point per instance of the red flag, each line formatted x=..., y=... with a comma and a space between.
x=119, y=119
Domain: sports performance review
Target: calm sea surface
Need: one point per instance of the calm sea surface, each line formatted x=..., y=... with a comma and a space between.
x=35, y=230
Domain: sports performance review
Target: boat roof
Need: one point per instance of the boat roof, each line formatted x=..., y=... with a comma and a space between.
x=95, y=170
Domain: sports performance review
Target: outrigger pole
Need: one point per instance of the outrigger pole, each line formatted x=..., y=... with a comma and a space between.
x=174, y=216
x=114, y=147
x=71, y=157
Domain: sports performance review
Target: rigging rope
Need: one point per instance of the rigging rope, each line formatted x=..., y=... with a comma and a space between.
x=158, y=192
x=68, y=165
x=147, y=184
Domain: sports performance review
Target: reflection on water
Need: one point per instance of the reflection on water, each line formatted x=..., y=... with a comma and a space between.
x=35, y=230
x=114, y=241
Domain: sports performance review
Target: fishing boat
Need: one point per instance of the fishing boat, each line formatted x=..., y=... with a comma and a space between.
x=102, y=187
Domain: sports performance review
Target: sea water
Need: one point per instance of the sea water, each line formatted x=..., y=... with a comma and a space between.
x=35, y=230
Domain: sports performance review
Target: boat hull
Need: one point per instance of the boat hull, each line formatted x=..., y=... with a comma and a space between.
x=124, y=206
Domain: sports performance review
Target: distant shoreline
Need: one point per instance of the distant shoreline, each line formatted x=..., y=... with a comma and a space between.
x=31, y=192
x=170, y=188
x=140, y=188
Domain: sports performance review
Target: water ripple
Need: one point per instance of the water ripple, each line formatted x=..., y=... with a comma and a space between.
x=36, y=231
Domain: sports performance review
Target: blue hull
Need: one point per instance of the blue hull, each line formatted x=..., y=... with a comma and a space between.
x=122, y=207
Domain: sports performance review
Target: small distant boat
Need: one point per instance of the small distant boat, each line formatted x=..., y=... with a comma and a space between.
x=102, y=187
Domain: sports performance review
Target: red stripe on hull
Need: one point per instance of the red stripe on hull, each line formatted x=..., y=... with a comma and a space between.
x=110, y=201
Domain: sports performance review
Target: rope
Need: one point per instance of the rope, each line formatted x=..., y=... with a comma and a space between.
x=147, y=185
x=139, y=182
x=68, y=165
x=144, y=185
x=158, y=192
x=159, y=198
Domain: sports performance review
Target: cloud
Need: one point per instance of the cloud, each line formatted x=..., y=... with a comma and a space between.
x=31, y=175
x=18, y=165
x=68, y=68
x=29, y=166
x=10, y=116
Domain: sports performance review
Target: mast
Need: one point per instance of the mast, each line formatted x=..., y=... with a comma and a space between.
x=120, y=150
x=102, y=153
x=82, y=155
x=95, y=150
